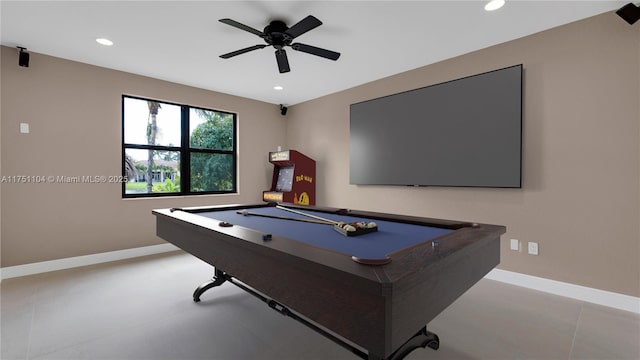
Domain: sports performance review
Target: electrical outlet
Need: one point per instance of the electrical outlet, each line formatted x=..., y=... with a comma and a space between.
x=514, y=245
x=532, y=248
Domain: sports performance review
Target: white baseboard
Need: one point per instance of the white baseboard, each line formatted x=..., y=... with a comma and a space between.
x=77, y=261
x=591, y=295
x=596, y=296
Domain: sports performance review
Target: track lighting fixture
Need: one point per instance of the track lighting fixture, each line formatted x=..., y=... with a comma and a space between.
x=629, y=13
x=283, y=110
x=23, y=57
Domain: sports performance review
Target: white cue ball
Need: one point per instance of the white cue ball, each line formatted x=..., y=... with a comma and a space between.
x=371, y=225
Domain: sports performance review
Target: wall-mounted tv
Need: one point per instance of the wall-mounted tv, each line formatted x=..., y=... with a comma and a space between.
x=461, y=133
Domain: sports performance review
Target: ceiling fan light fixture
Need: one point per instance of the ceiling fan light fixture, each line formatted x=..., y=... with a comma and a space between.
x=494, y=5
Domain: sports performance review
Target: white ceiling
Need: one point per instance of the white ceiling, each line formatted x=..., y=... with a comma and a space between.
x=181, y=41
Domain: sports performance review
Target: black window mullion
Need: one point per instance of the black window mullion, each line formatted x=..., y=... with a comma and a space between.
x=185, y=155
x=152, y=147
x=234, y=149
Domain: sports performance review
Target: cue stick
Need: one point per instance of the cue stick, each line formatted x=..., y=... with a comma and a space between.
x=309, y=215
x=246, y=212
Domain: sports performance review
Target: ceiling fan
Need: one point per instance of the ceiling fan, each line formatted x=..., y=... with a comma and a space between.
x=279, y=35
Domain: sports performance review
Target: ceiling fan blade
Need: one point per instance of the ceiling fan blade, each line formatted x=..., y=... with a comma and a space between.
x=242, y=26
x=283, y=62
x=327, y=54
x=242, y=51
x=304, y=25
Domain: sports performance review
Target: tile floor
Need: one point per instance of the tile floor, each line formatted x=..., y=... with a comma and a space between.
x=142, y=309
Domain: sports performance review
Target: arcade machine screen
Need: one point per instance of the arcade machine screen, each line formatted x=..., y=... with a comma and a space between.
x=285, y=179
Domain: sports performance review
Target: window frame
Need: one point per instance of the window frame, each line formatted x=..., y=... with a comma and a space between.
x=185, y=150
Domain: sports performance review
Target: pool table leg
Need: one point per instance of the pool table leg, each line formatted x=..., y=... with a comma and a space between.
x=422, y=338
x=218, y=279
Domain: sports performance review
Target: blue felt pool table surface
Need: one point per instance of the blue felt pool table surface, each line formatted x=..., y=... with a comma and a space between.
x=391, y=236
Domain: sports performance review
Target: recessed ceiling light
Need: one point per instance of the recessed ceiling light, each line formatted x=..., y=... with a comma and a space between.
x=494, y=5
x=278, y=87
x=103, y=41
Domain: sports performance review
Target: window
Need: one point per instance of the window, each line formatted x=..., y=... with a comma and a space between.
x=173, y=149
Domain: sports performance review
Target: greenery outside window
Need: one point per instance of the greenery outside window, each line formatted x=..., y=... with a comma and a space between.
x=174, y=149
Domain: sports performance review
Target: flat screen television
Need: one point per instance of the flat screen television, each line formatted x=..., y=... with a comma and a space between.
x=461, y=133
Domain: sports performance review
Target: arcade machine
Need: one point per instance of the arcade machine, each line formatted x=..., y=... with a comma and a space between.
x=293, y=178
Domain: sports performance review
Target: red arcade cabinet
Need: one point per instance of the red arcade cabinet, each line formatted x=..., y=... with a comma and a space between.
x=293, y=178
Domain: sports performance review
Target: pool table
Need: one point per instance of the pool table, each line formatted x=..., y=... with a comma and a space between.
x=373, y=294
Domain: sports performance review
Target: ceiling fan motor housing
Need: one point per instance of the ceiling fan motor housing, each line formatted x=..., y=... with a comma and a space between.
x=275, y=34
